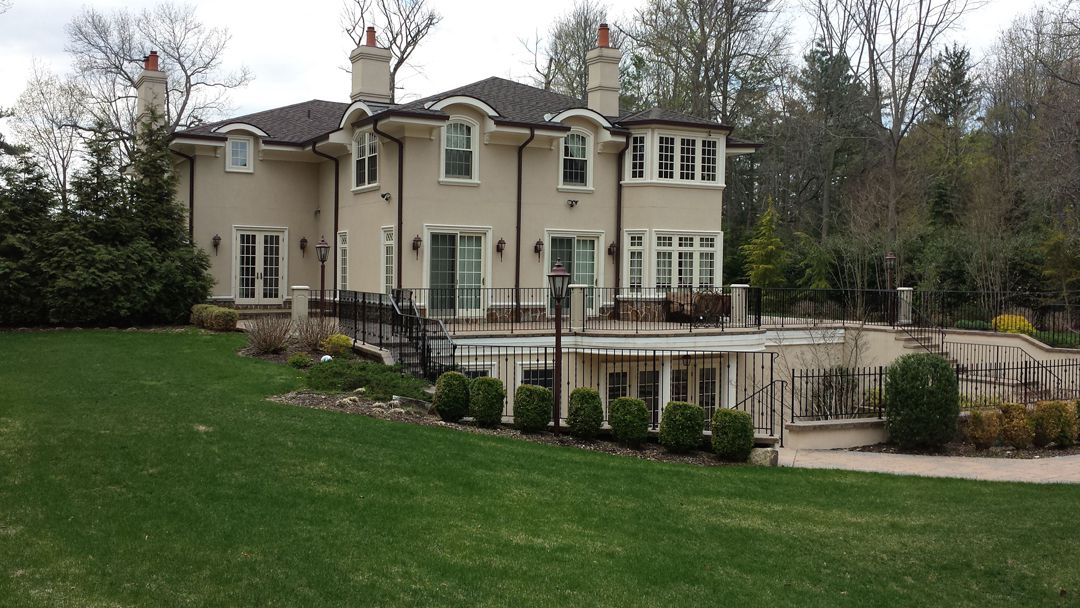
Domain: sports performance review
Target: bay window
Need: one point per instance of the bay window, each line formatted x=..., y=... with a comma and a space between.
x=637, y=157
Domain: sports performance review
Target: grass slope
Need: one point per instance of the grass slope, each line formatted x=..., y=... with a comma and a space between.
x=146, y=469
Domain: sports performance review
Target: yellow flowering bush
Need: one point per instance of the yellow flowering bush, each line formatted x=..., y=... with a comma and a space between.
x=336, y=345
x=1013, y=324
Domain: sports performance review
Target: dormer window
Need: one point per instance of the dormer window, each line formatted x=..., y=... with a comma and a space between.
x=576, y=154
x=365, y=160
x=459, y=151
x=238, y=155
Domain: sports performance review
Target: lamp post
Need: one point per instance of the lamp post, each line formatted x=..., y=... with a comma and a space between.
x=890, y=284
x=323, y=250
x=558, y=280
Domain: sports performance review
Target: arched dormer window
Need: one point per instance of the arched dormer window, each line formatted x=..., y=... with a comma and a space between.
x=576, y=160
x=459, y=159
x=365, y=160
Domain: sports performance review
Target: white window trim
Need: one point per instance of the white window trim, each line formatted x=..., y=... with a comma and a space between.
x=653, y=169
x=425, y=251
x=342, y=252
x=250, y=155
x=629, y=169
x=717, y=249
x=590, y=156
x=598, y=235
x=378, y=155
x=236, y=230
x=473, y=140
x=383, y=257
x=646, y=280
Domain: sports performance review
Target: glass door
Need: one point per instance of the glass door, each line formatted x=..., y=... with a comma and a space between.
x=456, y=274
x=260, y=260
x=578, y=256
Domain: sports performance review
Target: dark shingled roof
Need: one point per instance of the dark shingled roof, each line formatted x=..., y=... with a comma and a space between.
x=304, y=122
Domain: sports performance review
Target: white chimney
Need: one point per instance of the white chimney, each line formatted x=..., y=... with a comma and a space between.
x=603, y=65
x=150, y=89
x=370, y=71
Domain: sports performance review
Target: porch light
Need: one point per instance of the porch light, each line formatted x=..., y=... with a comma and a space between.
x=559, y=280
x=612, y=248
x=322, y=249
x=538, y=249
x=417, y=242
x=216, y=241
x=500, y=247
x=303, y=246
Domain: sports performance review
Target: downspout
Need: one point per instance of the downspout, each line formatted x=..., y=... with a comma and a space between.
x=191, y=193
x=618, y=222
x=399, y=238
x=337, y=191
x=517, y=227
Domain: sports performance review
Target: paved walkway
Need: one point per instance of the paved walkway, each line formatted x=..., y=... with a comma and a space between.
x=1060, y=469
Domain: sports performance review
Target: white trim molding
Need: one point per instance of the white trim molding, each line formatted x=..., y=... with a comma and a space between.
x=249, y=166
x=240, y=126
x=352, y=109
x=467, y=100
x=592, y=115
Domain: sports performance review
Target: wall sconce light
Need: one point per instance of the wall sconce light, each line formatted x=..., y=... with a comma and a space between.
x=216, y=241
x=303, y=246
x=538, y=249
x=500, y=247
x=385, y=196
x=416, y=243
x=571, y=202
x=612, y=248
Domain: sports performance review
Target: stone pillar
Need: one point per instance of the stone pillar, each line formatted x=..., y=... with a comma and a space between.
x=300, y=296
x=904, y=296
x=577, y=307
x=740, y=295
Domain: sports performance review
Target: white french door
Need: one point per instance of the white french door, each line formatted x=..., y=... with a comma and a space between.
x=260, y=266
x=456, y=273
x=578, y=256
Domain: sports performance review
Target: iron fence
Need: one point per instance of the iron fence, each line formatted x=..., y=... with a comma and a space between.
x=681, y=308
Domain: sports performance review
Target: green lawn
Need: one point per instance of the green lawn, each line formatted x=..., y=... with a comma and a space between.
x=145, y=469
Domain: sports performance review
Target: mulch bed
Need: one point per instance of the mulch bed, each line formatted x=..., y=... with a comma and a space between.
x=970, y=451
x=407, y=412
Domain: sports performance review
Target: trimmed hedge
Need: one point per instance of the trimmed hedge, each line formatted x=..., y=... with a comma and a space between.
x=1017, y=428
x=922, y=401
x=1055, y=423
x=215, y=318
x=452, y=396
x=629, y=420
x=732, y=434
x=533, y=406
x=486, y=396
x=984, y=428
x=681, y=426
x=586, y=414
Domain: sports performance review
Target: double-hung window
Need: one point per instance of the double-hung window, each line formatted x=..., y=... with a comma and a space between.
x=459, y=151
x=575, y=160
x=388, y=260
x=636, y=261
x=637, y=157
x=238, y=155
x=666, y=157
x=343, y=260
x=365, y=160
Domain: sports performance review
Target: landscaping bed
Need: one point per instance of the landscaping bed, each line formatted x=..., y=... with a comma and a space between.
x=960, y=449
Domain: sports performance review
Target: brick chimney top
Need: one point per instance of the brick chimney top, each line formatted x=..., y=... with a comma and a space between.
x=150, y=62
x=604, y=41
x=370, y=36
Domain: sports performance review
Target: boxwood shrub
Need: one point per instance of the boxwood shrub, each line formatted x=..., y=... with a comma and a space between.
x=486, y=396
x=452, y=396
x=532, y=408
x=1017, y=428
x=216, y=318
x=732, y=434
x=922, y=402
x=984, y=428
x=1055, y=423
x=681, y=426
x=586, y=414
x=629, y=420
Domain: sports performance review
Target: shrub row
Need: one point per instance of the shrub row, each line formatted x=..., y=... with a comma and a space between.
x=1049, y=423
x=216, y=318
x=680, y=425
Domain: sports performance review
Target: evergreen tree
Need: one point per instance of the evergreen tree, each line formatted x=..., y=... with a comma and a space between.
x=765, y=255
x=25, y=202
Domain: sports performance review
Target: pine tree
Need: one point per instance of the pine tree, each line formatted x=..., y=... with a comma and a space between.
x=765, y=255
x=25, y=225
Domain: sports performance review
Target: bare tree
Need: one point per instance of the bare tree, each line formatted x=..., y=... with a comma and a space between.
x=46, y=119
x=402, y=25
x=109, y=51
x=559, y=58
x=5, y=5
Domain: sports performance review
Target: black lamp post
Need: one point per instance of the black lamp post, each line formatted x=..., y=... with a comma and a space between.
x=323, y=250
x=559, y=280
x=890, y=284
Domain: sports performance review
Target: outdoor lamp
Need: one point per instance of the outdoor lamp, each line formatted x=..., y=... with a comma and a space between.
x=538, y=248
x=323, y=249
x=216, y=241
x=500, y=247
x=612, y=248
x=303, y=246
x=417, y=242
x=559, y=280
x=890, y=261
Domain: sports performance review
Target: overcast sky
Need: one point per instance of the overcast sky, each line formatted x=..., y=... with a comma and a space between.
x=296, y=49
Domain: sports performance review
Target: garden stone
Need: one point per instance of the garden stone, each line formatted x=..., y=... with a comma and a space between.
x=764, y=457
x=413, y=405
x=348, y=401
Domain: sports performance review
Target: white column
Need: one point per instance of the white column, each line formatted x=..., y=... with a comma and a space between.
x=732, y=378
x=665, y=383
x=739, y=296
x=905, y=296
x=577, y=308
x=300, y=296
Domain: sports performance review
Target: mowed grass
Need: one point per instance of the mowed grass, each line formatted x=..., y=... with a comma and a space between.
x=147, y=469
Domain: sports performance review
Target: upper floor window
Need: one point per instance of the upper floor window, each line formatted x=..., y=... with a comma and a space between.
x=459, y=151
x=365, y=160
x=708, y=160
x=637, y=157
x=694, y=159
x=238, y=154
x=666, y=157
x=575, y=160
